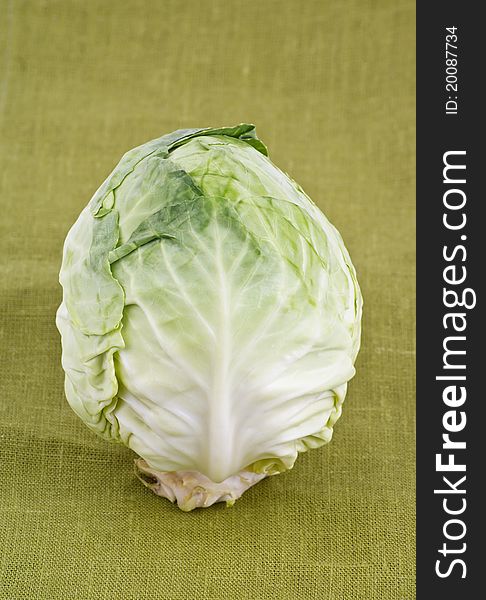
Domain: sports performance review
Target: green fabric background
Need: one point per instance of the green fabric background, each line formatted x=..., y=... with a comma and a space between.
x=331, y=88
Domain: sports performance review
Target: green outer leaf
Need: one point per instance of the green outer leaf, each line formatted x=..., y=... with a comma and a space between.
x=184, y=202
x=91, y=384
x=161, y=147
x=241, y=303
x=93, y=297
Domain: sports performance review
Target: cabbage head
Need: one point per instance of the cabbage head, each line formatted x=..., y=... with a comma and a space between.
x=210, y=316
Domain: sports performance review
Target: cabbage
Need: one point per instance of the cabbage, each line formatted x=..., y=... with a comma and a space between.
x=210, y=316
